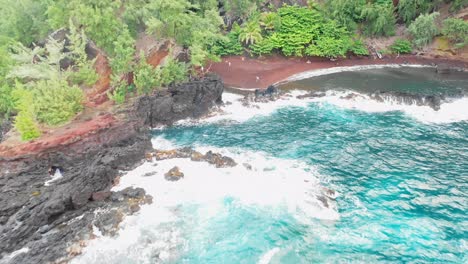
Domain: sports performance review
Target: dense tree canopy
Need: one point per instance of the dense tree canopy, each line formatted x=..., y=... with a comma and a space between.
x=33, y=85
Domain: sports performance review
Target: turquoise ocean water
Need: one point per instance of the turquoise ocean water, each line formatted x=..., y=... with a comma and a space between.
x=403, y=183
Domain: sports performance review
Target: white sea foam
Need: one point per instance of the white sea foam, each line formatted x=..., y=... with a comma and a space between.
x=154, y=234
x=453, y=111
x=315, y=73
x=266, y=258
x=235, y=111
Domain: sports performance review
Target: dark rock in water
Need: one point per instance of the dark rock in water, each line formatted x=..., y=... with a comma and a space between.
x=219, y=160
x=196, y=156
x=270, y=94
x=311, y=95
x=324, y=200
x=216, y=159
x=183, y=153
x=433, y=101
x=174, y=174
x=443, y=68
x=329, y=193
x=350, y=96
x=149, y=174
x=247, y=166
x=192, y=99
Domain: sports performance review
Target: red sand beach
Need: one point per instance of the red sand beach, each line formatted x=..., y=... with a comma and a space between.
x=242, y=72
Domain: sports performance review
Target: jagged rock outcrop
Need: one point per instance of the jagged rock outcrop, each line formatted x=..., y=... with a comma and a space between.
x=216, y=159
x=433, y=101
x=35, y=212
x=189, y=100
x=174, y=174
x=5, y=126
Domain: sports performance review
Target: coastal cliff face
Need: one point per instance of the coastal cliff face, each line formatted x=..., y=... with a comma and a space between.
x=190, y=100
x=36, y=210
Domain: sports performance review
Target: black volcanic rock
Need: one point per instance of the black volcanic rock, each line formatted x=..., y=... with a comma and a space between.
x=187, y=100
x=49, y=218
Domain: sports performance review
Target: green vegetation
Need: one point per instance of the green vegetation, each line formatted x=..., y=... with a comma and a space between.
x=379, y=19
x=424, y=29
x=401, y=46
x=359, y=48
x=42, y=78
x=456, y=30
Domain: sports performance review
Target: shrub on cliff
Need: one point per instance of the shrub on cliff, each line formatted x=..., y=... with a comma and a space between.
x=408, y=10
x=379, y=19
x=229, y=45
x=346, y=12
x=401, y=46
x=251, y=32
x=424, y=29
x=83, y=71
x=25, y=121
x=7, y=103
x=359, y=48
x=55, y=102
x=456, y=30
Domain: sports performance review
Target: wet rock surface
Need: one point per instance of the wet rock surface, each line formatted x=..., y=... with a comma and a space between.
x=65, y=237
x=433, y=101
x=174, y=174
x=216, y=159
x=29, y=207
x=272, y=93
x=49, y=218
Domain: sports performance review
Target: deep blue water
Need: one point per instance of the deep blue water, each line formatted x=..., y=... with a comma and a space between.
x=403, y=188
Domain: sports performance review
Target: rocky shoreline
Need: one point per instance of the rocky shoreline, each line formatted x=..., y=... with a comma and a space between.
x=45, y=222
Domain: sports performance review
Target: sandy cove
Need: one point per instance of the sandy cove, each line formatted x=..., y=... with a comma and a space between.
x=251, y=73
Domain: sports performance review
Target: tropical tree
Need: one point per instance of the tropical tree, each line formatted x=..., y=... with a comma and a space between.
x=424, y=29
x=251, y=32
x=379, y=19
x=456, y=30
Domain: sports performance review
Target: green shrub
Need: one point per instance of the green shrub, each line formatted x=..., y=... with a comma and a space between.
x=346, y=12
x=24, y=21
x=55, y=102
x=25, y=121
x=266, y=45
x=230, y=45
x=173, y=72
x=83, y=71
x=379, y=19
x=410, y=9
x=119, y=94
x=424, y=29
x=85, y=75
x=146, y=77
x=7, y=102
x=359, y=48
x=299, y=26
x=401, y=46
x=456, y=30
x=458, y=4
x=328, y=47
x=251, y=32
